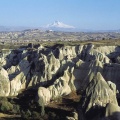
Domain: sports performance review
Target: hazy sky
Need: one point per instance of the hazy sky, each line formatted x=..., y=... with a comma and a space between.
x=85, y=14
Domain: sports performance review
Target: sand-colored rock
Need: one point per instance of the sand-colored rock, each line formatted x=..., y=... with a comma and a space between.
x=112, y=111
x=69, y=67
x=98, y=93
x=43, y=96
x=4, y=83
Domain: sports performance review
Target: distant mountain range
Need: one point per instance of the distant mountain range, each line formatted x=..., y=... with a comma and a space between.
x=3, y=28
x=55, y=26
x=12, y=28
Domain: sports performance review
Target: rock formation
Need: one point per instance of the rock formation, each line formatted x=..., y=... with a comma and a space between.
x=4, y=83
x=112, y=111
x=98, y=94
x=58, y=70
x=39, y=67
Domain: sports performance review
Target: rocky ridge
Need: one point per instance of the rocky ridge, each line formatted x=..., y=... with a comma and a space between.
x=58, y=70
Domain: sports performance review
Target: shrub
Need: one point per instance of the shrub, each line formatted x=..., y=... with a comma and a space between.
x=52, y=116
x=36, y=116
x=3, y=99
x=42, y=107
x=26, y=114
x=6, y=106
x=16, y=109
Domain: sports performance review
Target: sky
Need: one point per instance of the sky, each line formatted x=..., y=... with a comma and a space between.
x=83, y=14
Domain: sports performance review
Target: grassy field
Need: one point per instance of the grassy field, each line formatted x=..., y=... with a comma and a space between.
x=98, y=42
x=114, y=42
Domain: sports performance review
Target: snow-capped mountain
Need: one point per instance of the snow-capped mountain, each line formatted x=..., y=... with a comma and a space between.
x=58, y=24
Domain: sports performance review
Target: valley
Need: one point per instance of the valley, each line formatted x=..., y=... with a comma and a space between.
x=41, y=80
